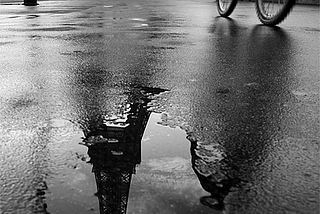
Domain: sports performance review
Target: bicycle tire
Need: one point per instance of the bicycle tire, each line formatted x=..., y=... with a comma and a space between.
x=273, y=18
x=226, y=7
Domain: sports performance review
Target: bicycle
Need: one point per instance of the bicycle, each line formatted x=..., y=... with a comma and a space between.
x=269, y=12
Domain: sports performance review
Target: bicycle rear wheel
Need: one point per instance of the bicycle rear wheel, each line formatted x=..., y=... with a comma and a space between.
x=226, y=7
x=272, y=12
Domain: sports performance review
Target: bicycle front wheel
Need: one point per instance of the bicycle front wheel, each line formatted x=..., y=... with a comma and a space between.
x=226, y=7
x=272, y=12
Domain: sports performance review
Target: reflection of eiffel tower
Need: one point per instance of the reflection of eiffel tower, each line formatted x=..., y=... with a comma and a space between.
x=115, y=150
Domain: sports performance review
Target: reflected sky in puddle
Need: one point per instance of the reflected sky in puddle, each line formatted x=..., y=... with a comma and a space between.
x=165, y=181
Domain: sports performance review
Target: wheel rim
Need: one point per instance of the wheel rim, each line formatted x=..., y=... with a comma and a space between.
x=225, y=4
x=271, y=8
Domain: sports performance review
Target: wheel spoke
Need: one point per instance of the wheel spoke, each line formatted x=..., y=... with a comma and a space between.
x=226, y=7
x=272, y=7
x=225, y=4
x=272, y=12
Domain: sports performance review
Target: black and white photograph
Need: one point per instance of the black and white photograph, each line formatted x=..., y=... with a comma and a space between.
x=159, y=106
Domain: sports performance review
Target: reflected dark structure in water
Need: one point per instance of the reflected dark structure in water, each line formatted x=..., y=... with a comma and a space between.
x=114, y=152
x=40, y=205
x=114, y=149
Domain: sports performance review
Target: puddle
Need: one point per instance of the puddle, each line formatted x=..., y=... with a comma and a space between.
x=148, y=172
x=130, y=162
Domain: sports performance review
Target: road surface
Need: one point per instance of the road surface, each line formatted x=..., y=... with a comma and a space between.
x=233, y=107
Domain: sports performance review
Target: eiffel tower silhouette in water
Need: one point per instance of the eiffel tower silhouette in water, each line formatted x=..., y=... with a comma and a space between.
x=115, y=150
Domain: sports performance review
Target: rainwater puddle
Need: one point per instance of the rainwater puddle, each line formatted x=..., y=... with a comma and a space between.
x=153, y=176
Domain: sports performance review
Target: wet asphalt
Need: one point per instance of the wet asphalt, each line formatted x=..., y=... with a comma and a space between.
x=225, y=112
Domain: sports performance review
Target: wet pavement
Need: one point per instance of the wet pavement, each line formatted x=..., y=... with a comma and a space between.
x=161, y=107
